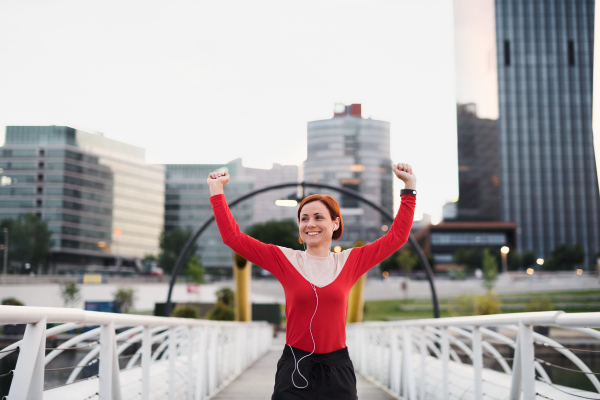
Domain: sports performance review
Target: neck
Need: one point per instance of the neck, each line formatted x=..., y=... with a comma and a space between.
x=319, y=251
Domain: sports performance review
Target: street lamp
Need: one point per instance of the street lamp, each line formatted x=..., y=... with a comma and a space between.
x=504, y=252
x=4, y=268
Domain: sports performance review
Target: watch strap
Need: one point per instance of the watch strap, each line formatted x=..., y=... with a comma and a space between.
x=408, y=191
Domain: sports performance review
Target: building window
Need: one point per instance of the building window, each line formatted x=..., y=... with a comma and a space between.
x=38, y=203
x=506, y=53
x=571, y=53
x=41, y=165
x=40, y=190
x=42, y=153
x=40, y=177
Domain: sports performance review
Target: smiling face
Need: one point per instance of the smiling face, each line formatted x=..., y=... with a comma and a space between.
x=315, y=225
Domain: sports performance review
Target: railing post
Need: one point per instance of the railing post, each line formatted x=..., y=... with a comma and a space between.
x=515, y=385
x=200, y=368
x=172, y=361
x=108, y=371
x=477, y=362
x=394, y=361
x=408, y=368
x=445, y=359
x=28, y=379
x=423, y=351
x=190, y=375
x=146, y=360
x=527, y=360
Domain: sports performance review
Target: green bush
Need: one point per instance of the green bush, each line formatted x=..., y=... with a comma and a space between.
x=481, y=304
x=539, y=303
x=186, y=311
x=11, y=301
x=221, y=313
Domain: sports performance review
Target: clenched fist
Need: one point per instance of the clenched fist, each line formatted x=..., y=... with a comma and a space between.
x=405, y=173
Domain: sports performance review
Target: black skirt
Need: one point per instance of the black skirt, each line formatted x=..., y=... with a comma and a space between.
x=330, y=376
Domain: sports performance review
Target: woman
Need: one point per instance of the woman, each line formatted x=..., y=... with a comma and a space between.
x=316, y=284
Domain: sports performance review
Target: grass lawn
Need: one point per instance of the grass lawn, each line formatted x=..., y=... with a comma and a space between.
x=382, y=310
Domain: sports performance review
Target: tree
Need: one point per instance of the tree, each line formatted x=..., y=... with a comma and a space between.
x=171, y=245
x=194, y=271
x=280, y=233
x=29, y=240
x=489, y=267
x=471, y=258
x=407, y=261
x=125, y=298
x=70, y=293
x=565, y=257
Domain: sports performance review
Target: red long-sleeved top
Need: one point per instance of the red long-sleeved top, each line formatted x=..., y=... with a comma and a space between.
x=329, y=323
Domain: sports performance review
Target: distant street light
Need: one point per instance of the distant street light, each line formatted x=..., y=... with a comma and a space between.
x=337, y=249
x=540, y=261
x=504, y=252
x=286, y=203
x=4, y=267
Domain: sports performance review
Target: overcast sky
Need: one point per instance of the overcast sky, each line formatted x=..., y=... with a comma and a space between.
x=211, y=81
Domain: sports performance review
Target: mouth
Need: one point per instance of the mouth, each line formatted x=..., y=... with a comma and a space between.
x=312, y=234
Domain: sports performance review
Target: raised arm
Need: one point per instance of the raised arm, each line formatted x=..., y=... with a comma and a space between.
x=261, y=254
x=372, y=254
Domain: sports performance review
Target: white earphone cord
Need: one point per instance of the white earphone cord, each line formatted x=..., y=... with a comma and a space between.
x=297, y=364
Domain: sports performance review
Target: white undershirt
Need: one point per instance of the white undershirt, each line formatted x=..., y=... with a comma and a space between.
x=320, y=271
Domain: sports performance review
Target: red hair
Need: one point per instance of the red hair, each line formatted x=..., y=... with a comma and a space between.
x=334, y=211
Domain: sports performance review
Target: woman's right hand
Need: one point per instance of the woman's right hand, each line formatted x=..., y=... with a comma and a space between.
x=216, y=181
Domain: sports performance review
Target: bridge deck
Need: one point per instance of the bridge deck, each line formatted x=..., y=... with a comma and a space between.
x=256, y=383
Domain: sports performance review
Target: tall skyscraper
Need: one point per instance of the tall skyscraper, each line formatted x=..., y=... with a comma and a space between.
x=478, y=175
x=548, y=179
x=187, y=202
x=353, y=152
x=102, y=202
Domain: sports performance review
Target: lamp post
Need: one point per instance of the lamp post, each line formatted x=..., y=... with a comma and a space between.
x=504, y=252
x=5, y=267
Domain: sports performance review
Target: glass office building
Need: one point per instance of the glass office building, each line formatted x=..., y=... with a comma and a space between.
x=548, y=179
x=353, y=152
x=94, y=193
x=478, y=174
x=187, y=202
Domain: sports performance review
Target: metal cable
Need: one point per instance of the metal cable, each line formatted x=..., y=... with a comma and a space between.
x=8, y=373
x=541, y=395
x=73, y=348
x=572, y=394
x=565, y=368
x=67, y=384
x=566, y=348
x=8, y=351
x=94, y=361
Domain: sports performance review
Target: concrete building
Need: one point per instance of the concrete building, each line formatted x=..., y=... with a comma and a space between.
x=478, y=173
x=102, y=202
x=548, y=176
x=187, y=202
x=353, y=152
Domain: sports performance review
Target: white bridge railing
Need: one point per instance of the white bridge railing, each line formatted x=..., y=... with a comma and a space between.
x=166, y=358
x=420, y=359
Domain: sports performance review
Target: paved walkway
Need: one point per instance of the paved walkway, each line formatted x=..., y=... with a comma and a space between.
x=256, y=383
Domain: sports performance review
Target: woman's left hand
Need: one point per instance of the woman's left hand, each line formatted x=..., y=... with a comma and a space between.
x=405, y=173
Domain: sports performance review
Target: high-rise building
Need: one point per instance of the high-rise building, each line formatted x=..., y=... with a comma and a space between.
x=102, y=202
x=353, y=152
x=187, y=202
x=548, y=179
x=478, y=175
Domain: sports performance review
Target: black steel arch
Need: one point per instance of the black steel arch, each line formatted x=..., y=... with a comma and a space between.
x=186, y=248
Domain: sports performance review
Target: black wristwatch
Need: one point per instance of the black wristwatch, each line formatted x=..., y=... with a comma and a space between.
x=408, y=191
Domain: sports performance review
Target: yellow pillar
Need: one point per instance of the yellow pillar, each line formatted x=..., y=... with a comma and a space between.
x=242, y=274
x=356, y=301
